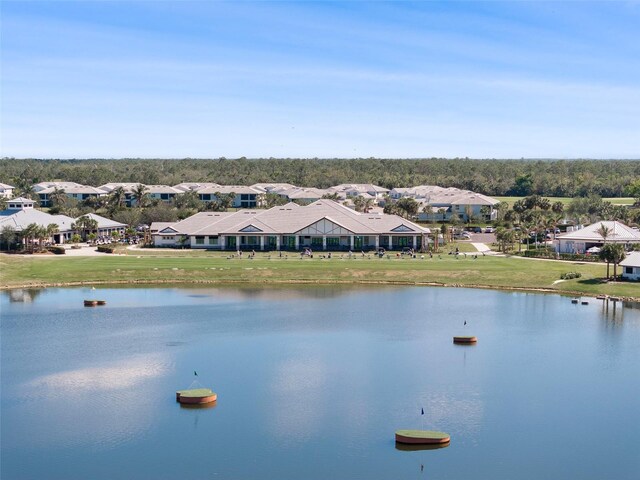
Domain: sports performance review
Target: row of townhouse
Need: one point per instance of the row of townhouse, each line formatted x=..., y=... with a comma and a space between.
x=444, y=202
x=20, y=213
x=323, y=225
x=447, y=202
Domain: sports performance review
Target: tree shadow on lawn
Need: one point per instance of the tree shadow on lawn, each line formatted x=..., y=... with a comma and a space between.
x=593, y=281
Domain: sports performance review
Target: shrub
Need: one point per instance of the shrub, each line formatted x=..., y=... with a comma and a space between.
x=57, y=250
x=105, y=249
x=570, y=275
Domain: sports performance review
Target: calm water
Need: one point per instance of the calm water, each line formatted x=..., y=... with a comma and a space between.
x=312, y=383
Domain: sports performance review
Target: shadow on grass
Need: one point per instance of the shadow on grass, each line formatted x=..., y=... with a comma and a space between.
x=593, y=281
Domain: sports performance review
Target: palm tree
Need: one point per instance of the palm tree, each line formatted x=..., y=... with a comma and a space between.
x=84, y=224
x=58, y=197
x=117, y=198
x=612, y=253
x=52, y=229
x=604, y=232
x=40, y=235
x=368, y=205
x=139, y=194
x=28, y=234
x=8, y=235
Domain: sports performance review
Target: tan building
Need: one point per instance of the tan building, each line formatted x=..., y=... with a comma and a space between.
x=323, y=225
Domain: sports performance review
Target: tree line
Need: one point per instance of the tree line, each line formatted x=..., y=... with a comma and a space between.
x=552, y=178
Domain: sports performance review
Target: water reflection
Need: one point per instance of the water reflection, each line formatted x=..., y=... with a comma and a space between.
x=130, y=374
x=23, y=295
x=405, y=447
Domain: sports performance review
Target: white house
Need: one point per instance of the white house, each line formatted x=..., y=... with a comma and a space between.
x=631, y=266
x=79, y=193
x=20, y=213
x=322, y=225
x=579, y=241
x=6, y=191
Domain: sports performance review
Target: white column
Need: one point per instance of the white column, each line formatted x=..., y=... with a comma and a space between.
x=324, y=242
x=297, y=242
x=377, y=242
x=261, y=242
x=351, y=241
x=278, y=242
x=415, y=242
x=390, y=242
x=237, y=242
x=222, y=240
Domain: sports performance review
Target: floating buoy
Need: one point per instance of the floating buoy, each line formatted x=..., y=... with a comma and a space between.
x=196, y=396
x=465, y=339
x=422, y=437
x=574, y=300
x=102, y=302
x=584, y=302
x=90, y=303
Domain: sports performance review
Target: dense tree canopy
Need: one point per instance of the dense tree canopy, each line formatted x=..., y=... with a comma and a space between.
x=552, y=178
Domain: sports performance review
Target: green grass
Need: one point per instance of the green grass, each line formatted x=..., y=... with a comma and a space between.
x=201, y=267
x=195, y=392
x=567, y=200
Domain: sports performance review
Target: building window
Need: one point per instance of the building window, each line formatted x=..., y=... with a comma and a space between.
x=213, y=240
x=199, y=240
x=628, y=270
x=164, y=196
x=333, y=241
x=167, y=238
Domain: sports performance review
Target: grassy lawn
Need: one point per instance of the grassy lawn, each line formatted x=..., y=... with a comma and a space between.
x=208, y=267
x=567, y=200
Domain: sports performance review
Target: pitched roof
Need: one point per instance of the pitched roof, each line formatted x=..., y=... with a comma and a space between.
x=292, y=218
x=619, y=233
x=104, y=222
x=631, y=260
x=20, y=219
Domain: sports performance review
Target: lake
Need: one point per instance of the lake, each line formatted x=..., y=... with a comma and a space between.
x=312, y=383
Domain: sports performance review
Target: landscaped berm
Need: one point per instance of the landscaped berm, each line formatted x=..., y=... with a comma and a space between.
x=196, y=396
x=425, y=437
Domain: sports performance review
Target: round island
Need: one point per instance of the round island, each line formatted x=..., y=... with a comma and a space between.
x=196, y=396
x=422, y=437
x=465, y=340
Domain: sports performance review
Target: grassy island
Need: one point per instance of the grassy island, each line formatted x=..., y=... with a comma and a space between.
x=200, y=267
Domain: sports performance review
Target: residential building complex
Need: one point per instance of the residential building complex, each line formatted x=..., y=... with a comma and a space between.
x=323, y=225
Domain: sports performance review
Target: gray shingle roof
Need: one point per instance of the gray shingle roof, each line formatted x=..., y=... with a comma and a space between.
x=619, y=232
x=292, y=218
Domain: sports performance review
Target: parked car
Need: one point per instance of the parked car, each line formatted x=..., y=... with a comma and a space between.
x=462, y=236
x=488, y=230
x=477, y=230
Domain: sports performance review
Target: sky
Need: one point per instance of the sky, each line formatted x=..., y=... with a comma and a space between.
x=100, y=79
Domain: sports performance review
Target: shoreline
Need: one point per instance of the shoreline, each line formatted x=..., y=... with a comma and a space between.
x=311, y=282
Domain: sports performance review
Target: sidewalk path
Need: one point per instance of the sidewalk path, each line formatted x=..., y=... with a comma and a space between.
x=482, y=247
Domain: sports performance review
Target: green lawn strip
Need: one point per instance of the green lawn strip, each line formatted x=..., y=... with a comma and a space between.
x=498, y=272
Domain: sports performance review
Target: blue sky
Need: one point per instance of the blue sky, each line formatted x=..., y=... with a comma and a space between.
x=320, y=79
